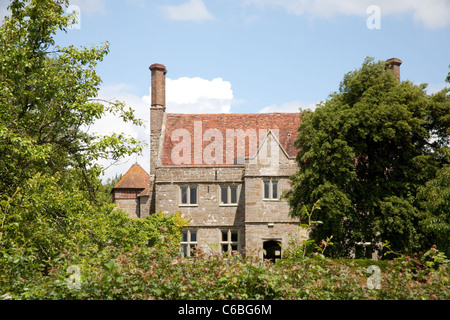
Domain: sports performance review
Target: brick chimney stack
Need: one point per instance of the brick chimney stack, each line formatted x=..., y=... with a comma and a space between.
x=158, y=85
x=157, y=112
x=157, y=125
x=393, y=65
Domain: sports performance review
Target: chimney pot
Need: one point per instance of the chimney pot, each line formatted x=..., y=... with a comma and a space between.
x=158, y=85
x=393, y=65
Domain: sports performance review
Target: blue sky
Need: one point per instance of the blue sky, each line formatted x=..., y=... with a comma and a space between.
x=254, y=55
x=270, y=53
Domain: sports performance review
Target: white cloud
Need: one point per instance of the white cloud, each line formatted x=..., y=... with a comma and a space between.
x=111, y=123
x=89, y=7
x=432, y=13
x=194, y=10
x=292, y=106
x=197, y=95
x=183, y=95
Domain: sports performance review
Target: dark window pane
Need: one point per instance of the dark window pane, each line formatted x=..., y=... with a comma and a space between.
x=233, y=191
x=274, y=189
x=184, y=250
x=224, y=236
x=234, y=247
x=184, y=195
x=266, y=189
x=224, y=194
x=193, y=195
x=184, y=238
x=193, y=236
x=234, y=236
x=224, y=248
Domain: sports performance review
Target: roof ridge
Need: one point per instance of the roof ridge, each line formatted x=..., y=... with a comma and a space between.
x=232, y=113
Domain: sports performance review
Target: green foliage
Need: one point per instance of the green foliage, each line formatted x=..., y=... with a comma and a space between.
x=54, y=211
x=46, y=229
x=158, y=230
x=435, y=203
x=48, y=100
x=364, y=154
x=110, y=183
x=301, y=247
x=149, y=273
x=61, y=238
x=433, y=259
x=384, y=265
x=448, y=77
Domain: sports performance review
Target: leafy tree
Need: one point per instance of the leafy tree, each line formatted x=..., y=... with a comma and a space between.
x=157, y=230
x=435, y=204
x=48, y=100
x=50, y=218
x=52, y=202
x=109, y=184
x=363, y=155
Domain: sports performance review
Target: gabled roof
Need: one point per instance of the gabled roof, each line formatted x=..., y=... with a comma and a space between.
x=285, y=124
x=145, y=192
x=135, y=178
x=265, y=140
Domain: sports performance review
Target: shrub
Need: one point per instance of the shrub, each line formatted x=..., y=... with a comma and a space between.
x=149, y=273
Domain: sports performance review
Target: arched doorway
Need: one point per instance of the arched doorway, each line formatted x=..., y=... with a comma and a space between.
x=272, y=250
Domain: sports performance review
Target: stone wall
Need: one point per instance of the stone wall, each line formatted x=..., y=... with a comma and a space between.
x=208, y=217
x=256, y=233
x=268, y=219
x=254, y=218
x=144, y=203
x=129, y=205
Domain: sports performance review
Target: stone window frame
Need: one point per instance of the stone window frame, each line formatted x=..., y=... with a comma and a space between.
x=189, y=243
x=188, y=203
x=228, y=186
x=271, y=189
x=231, y=245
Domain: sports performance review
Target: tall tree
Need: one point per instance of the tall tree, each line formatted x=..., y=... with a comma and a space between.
x=435, y=210
x=363, y=155
x=48, y=100
x=49, y=178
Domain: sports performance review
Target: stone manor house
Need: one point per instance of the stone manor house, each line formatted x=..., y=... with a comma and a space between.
x=223, y=172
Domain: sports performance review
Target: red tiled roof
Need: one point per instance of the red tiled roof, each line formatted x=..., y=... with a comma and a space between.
x=145, y=192
x=285, y=124
x=135, y=178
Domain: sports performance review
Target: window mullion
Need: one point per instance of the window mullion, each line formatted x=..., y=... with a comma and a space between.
x=270, y=189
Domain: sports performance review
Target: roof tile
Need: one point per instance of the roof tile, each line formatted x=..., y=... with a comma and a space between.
x=286, y=124
x=135, y=178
